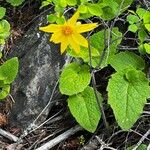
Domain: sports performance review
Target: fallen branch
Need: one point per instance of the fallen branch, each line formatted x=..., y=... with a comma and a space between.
x=8, y=135
x=60, y=138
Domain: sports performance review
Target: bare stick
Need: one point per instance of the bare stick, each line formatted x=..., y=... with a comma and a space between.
x=103, y=144
x=142, y=139
x=60, y=138
x=8, y=135
x=148, y=146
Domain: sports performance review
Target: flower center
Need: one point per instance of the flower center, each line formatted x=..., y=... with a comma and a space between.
x=67, y=30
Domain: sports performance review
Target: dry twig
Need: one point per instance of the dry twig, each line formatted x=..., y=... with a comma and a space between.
x=8, y=135
x=59, y=138
x=142, y=139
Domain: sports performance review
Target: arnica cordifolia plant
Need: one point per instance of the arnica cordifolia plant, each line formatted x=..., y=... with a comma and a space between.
x=128, y=88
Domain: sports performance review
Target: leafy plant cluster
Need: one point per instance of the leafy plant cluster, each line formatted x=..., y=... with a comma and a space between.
x=140, y=23
x=128, y=88
x=105, y=9
x=9, y=69
x=4, y=24
x=8, y=72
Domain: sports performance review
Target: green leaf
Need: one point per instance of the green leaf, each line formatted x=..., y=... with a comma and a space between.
x=4, y=29
x=113, y=7
x=83, y=9
x=141, y=49
x=63, y=3
x=1, y=54
x=125, y=4
x=85, y=15
x=83, y=1
x=146, y=20
x=59, y=9
x=51, y=18
x=95, y=9
x=147, y=48
x=2, y=12
x=141, y=12
x=74, y=79
x=4, y=91
x=132, y=19
x=4, y=25
x=71, y=2
x=132, y=75
x=45, y=3
x=60, y=20
x=123, y=60
x=15, y=2
x=141, y=147
x=127, y=97
x=84, y=54
x=109, y=8
x=98, y=41
x=142, y=35
x=147, y=26
x=133, y=28
x=9, y=70
x=84, y=108
x=2, y=41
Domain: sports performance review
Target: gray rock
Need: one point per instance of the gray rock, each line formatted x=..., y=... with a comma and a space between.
x=40, y=64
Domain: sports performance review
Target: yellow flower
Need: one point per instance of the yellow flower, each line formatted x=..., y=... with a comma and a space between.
x=69, y=33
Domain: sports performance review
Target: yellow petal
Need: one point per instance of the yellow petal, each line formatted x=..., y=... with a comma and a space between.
x=75, y=46
x=79, y=39
x=57, y=37
x=85, y=27
x=51, y=28
x=72, y=21
x=64, y=45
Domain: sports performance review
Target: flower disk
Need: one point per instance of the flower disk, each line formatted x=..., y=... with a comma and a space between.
x=67, y=30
